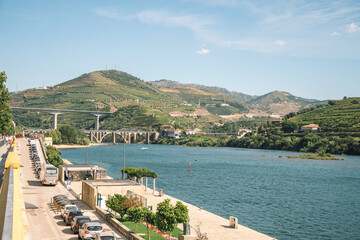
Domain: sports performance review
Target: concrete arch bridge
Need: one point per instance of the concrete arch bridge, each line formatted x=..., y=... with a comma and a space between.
x=99, y=135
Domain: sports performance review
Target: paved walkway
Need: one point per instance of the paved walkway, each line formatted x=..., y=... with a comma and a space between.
x=41, y=221
x=214, y=226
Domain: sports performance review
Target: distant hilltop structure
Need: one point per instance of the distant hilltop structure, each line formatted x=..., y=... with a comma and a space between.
x=44, y=87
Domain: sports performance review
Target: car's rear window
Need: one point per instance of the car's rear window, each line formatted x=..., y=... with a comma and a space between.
x=107, y=238
x=81, y=221
x=71, y=208
x=94, y=228
x=76, y=214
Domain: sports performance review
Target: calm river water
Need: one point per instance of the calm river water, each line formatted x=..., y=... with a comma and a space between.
x=280, y=197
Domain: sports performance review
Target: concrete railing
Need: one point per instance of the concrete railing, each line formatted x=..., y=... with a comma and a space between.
x=43, y=149
x=118, y=225
x=11, y=221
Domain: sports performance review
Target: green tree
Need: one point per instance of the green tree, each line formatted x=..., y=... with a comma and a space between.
x=6, y=124
x=53, y=155
x=165, y=217
x=149, y=218
x=55, y=160
x=168, y=216
x=70, y=134
x=55, y=135
x=135, y=214
x=116, y=204
x=289, y=126
x=331, y=102
x=181, y=213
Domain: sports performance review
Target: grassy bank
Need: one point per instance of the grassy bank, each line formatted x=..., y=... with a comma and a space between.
x=142, y=231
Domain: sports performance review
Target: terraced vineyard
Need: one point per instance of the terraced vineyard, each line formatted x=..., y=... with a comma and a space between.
x=340, y=116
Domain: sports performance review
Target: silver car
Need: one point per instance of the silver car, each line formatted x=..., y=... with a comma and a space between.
x=88, y=230
x=105, y=236
x=67, y=208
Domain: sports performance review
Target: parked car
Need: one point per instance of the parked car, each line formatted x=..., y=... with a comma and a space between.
x=105, y=236
x=66, y=208
x=88, y=230
x=38, y=166
x=78, y=222
x=69, y=217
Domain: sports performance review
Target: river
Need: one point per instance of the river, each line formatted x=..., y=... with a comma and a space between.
x=283, y=198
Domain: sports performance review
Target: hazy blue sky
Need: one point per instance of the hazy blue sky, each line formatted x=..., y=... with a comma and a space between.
x=308, y=48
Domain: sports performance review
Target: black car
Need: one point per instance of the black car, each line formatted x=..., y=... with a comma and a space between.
x=78, y=222
x=70, y=215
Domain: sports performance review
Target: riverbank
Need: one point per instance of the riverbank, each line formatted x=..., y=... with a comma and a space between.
x=308, y=142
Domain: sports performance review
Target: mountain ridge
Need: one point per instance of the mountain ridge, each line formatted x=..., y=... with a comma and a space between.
x=107, y=89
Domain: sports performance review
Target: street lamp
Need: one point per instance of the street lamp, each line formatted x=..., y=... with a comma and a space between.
x=123, y=171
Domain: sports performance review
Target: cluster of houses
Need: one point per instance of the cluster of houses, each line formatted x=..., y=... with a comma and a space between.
x=169, y=131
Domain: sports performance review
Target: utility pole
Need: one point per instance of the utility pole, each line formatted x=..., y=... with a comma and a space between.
x=123, y=171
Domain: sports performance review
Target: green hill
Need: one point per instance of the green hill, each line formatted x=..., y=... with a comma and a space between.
x=93, y=91
x=281, y=103
x=209, y=97
x=338, y=116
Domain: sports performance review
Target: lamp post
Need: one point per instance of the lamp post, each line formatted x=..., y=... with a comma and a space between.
x=123, y=171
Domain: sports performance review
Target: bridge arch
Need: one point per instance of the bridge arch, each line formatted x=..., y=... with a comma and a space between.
x=99, y=135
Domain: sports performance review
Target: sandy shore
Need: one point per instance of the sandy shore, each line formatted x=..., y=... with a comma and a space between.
x=69, y=146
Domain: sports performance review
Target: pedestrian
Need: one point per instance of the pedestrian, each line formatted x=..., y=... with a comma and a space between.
x=7, y=140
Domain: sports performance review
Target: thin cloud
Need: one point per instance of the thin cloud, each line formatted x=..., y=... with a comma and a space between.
x=196, y=23
x=352, y=27
x=294, y=16
x=203, y=51
x=280, y=43
x=335, y=34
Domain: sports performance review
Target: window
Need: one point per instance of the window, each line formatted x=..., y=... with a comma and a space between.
x=51, y=170
x=94, y=228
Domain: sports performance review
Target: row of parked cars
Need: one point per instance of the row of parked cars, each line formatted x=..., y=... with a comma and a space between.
x=80, y=224
x=34, y=156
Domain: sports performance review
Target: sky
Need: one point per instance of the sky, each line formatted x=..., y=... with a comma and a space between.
x=310, y=49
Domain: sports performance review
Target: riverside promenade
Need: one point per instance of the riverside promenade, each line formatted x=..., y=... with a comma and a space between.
x=215, y=227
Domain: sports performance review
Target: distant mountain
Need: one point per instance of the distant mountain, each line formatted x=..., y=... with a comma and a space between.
x=276, y=102
x=209, y=97
x=281, y=103
x=173, y=84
